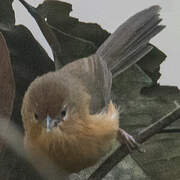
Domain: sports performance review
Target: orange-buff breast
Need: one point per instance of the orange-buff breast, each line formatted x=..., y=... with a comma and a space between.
x=79, y=145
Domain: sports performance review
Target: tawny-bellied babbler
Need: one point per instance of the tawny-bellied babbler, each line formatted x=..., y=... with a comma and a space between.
x=68, y=114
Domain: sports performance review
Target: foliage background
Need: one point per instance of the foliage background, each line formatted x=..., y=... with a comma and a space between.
x=141, y=98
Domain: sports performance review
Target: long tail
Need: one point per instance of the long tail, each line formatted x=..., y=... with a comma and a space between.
x=130, y=42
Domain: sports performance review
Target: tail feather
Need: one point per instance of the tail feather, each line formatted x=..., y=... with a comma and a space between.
x=132, y=59
x=130, y=42
x=127, y=58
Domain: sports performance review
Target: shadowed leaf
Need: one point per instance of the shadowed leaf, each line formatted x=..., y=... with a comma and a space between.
x=7, y=19
x=7, y=84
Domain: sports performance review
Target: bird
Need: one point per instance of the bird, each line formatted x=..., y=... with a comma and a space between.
x=69, y=116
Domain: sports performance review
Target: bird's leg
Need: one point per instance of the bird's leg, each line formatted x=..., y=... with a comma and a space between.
x=124, y=138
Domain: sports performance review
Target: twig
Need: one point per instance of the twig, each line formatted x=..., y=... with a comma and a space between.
x=48, y=34
x=170, y=130
x=141, y=137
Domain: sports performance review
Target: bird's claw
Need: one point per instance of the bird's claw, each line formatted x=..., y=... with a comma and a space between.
x=128, y=140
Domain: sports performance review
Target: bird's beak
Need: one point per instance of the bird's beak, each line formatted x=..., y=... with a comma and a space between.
x=51, y=123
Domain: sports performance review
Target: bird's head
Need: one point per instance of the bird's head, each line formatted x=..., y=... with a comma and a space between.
x=50, y=103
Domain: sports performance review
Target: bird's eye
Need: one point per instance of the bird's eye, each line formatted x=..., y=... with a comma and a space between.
x=63, y=113
x=36, y=116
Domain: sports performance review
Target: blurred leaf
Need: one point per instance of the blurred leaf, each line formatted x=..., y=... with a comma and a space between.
x=28, y=59
x=7, y=84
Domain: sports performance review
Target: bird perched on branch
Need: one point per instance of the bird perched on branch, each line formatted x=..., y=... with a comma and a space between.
x=68, y=114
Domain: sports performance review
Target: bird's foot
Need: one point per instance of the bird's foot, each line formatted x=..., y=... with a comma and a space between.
x=124, y=138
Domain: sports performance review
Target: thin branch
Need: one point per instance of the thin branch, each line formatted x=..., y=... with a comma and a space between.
x=141, y=137
x=48, y=34
x=170, y=130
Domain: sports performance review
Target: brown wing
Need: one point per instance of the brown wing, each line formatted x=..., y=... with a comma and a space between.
x=7, y=85
x=93, y=73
